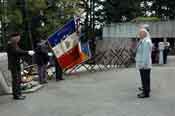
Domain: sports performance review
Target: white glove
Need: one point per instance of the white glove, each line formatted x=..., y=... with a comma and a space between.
x=31, y=52
x=50, y=54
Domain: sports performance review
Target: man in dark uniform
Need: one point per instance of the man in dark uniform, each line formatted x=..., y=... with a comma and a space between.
x=14, y=54
x=42, y=58
x=59, y=71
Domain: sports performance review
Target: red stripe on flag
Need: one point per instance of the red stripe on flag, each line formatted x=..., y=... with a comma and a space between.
x=70, y=58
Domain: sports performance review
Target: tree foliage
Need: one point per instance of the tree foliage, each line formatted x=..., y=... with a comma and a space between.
x=37, y=18
x=121, y=10
x=164, y=9
x=126, y=10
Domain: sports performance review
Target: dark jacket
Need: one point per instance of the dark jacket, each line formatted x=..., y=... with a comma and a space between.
x=14, y=54
x=41, y=56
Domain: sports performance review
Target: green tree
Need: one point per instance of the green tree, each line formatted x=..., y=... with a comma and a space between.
x=164, y=9
x=121, y=10
x=93, y=12
x=58, y=13
x=93, y=18
x=37, y=18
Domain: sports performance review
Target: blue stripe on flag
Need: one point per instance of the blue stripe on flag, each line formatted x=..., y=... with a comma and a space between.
x=62, y=33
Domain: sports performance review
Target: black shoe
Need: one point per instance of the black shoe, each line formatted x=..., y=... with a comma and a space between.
x=140, y=89
x=60, y=79
x=142, y=95
x=19, y=97
x=44, y=82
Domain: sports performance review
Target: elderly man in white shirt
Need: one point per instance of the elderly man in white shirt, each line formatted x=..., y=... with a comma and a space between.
x=143, y=61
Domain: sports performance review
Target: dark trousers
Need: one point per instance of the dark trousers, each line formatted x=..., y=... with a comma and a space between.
x=16, y=83
x=145, y=79
x=165, y=54
x=42, y=71
x=59, y=72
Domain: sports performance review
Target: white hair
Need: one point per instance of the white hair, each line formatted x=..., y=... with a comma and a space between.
x=147, y=33
x=148, y=37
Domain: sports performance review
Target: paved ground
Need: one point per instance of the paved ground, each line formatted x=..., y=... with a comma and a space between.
x=111, y=93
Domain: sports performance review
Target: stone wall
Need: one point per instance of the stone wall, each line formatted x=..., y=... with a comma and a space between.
x=106, y=44
x=5, y=75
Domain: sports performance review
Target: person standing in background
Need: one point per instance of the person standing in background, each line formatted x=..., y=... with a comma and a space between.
x=14, y=53
x=165, y=52
x=161, y=50
x=58, y=70
x=42, y=59
x=53, y=62
x=144, y=62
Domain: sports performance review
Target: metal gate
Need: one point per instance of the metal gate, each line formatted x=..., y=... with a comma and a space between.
x=104, y=61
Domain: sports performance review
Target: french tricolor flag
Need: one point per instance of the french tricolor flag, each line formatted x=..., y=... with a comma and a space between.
x=65, y=44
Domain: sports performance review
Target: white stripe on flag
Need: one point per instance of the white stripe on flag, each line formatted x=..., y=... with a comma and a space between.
x=58, y=50
x=65, y=45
